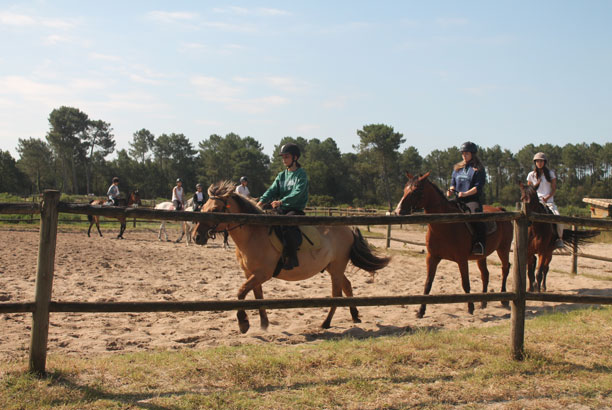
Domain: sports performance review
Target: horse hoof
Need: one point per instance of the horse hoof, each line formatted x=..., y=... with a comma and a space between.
x=420, y=314
x=244, y=326
x=505, y=303
x=471, y=308
x=326, y=325
x=483, y=305
x=356, y=320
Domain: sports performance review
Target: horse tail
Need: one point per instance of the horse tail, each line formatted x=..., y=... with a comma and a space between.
x=363, y=257
x=577, y=238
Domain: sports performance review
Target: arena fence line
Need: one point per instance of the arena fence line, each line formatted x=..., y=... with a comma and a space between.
x=50, y=208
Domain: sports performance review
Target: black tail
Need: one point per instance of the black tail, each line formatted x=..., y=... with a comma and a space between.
x=362, y=256
x=577, y=238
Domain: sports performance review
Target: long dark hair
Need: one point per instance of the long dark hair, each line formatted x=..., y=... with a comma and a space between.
x=544, y=170
x=474, y=162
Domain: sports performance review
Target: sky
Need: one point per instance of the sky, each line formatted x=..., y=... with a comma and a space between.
x=439, y=72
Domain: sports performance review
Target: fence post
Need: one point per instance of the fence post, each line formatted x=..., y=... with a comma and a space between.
x=574, y=254
x=388, y=236
x=519, y=273
x=44, y=281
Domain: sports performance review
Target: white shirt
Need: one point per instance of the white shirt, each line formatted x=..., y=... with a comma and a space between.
x=177, y=194
x=243, y=190
x=545, y=187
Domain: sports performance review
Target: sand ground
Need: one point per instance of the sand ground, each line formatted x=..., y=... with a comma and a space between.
x=140, y=268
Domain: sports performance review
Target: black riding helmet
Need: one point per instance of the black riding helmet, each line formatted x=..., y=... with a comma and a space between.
x=469, y=147
x=290, y=148
x=244, y=179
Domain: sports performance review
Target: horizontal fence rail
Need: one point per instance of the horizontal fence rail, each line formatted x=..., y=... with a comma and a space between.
x=222, y=305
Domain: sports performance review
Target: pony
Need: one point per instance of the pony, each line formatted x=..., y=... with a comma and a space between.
x=453, y=241
x=541, y=239
x=132, y=200
x=187, y=226
x=258, y=257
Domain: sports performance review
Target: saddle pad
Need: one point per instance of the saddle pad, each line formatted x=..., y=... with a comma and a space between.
x=490, y=227
x=310, y=234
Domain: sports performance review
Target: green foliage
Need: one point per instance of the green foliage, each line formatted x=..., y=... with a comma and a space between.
x=73, y=160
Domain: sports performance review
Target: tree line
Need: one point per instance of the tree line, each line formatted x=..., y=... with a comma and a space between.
x=74, y=158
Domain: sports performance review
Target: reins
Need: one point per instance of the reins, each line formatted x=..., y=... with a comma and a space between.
x=213, y=231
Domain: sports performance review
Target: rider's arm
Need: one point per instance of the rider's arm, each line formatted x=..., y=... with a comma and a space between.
x=272, y=192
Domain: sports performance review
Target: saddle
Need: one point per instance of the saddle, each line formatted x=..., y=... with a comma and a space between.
x=490, y=226
x=311, y=238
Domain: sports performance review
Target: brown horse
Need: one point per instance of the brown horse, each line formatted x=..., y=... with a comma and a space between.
x=132, y=200
x=453, y=241
x=542, y=238
x=258, y=257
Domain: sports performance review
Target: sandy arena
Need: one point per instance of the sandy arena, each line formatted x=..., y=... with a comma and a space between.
x=140, y=268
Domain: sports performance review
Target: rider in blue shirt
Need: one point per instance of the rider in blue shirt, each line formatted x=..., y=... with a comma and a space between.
x=467, y=182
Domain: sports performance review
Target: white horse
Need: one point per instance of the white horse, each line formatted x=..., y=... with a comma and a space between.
x=187, y=226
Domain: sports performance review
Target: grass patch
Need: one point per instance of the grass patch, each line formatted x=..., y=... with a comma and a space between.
x=568, y=363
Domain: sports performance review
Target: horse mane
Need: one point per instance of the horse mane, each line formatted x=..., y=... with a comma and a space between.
x=442, y=195
x=532, y=194
x=226, y=189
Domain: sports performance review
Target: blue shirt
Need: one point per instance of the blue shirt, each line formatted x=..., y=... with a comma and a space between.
x=467, y=178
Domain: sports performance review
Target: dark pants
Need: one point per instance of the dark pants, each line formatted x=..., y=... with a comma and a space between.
x=480, y=228
x=292, y=239
x=177, y=205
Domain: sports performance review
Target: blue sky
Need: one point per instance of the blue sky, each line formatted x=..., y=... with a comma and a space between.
x=442, y=72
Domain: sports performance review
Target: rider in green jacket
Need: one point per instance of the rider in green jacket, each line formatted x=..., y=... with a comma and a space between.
x=288, y=195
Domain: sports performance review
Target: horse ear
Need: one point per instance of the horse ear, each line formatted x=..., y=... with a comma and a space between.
x=425, y=175
x=521, y=185
x=408, y=175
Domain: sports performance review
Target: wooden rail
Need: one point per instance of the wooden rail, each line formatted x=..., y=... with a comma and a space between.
x=50, y=208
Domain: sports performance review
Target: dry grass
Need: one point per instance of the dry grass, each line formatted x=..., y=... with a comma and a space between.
x=568, y=364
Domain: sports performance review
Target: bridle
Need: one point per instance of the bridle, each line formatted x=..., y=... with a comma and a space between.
x=212, y=232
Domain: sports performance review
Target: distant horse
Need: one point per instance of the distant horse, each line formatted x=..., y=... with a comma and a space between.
x=187, y=226
x=542, y=238
x=453, y=241
x=258, y=257
x=133, y=200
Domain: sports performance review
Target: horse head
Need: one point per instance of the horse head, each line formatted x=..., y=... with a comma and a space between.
x=134, y=199
x=530, y=196
x=413, y=194
x=220, y=199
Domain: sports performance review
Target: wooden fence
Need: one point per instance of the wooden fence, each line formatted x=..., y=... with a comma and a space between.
x=50, y=208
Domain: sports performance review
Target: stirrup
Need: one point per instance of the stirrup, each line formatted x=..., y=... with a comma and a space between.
x=559, y=244
x=478, y=249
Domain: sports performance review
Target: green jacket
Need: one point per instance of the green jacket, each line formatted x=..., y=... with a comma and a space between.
x=291, y=187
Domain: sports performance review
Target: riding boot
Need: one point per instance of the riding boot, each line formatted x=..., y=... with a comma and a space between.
x=290, y=242
x=479, y=245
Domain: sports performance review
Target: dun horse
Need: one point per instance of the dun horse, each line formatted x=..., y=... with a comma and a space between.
x=133, y=200
x=453, y=241
x=258, y=257
x=542, y=238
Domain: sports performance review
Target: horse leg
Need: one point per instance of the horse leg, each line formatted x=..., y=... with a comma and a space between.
x=432, y=265
x=97, y=220
x=188, y=229
x=336, y=293
x=348, y=292
x=263, y=316
x=484, y=277
x=465, y=282
x=225, y=240
x=122, y=229
x=504, y=257
x=545, y=267
x=539, y=274
x=243, y=320
x=182, y=233
x=531, y=265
